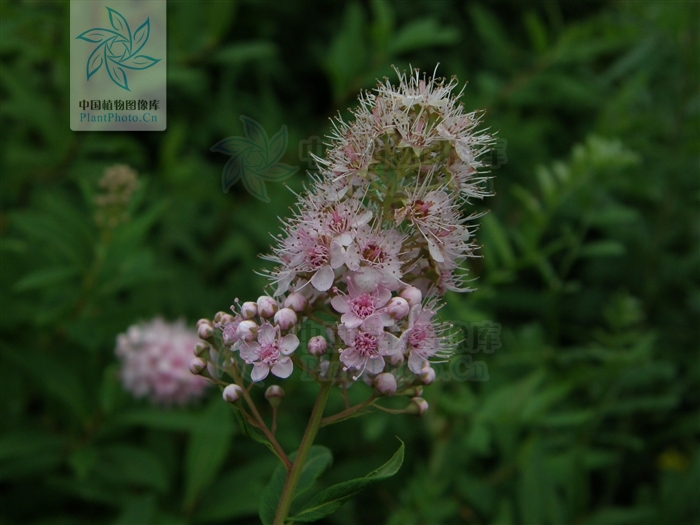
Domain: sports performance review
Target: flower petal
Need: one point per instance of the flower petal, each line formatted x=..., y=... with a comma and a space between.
x=283, y=368
x=259, y=372
x=288, y=344
x=415, y=362
x=340, y=304
x=375, y=365
x=323, y=278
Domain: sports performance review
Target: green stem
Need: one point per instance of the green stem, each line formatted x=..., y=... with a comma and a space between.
x=290, y=485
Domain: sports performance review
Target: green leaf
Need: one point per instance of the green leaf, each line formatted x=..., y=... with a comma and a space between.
x=318, y=460
x=208, y=447
x=127, y=465
x=241, y=52
x=331, y=499
x=45, y=278
x=236, y=493
x=421, y=34
x=159, y=419
x=57, y=380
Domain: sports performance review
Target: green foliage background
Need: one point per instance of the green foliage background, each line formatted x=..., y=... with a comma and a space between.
x=590, y=264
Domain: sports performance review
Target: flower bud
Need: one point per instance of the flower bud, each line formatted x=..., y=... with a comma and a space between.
x=205, y=331
x=398, y=308
x=217, y=317
x=418, y=406
x=274, y=395
x=232, y=393
x=267, y=306
x=197, y=364
x=247, y=330
x=317, y=345
x=427, y=374
x=204, y=322
x=249, y=309
x=225, y=318
x=295, y=301
x=285, y=318
x=412, y=294
x=386, y=384
x=200, y=348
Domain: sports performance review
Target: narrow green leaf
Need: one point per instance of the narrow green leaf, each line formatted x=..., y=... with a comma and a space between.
x=331, y=499
x=318, y=461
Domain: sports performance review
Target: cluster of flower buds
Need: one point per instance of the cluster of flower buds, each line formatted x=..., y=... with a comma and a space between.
x=154, y=358
x=118, y=184
x=374, y=244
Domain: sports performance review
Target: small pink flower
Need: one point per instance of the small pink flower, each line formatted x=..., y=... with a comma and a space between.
x=420, y=339
x=374, y=258
x=270, y=353
x=367, y=346
x=357, y=305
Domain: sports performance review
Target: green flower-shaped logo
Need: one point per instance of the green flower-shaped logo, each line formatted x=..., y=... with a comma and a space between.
x=254, y=159
x=118, y=48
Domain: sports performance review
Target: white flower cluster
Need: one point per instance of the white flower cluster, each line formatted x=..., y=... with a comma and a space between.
x=376, y=241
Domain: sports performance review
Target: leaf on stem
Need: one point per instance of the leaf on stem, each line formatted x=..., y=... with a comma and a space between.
x=328, y=501
x=317, y=462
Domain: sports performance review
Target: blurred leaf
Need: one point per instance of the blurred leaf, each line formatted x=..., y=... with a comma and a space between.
x=236, y=493
x=422, y=33
x=207, y=450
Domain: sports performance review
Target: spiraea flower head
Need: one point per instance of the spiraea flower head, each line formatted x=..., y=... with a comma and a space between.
x=382, y=231
x=155, y=362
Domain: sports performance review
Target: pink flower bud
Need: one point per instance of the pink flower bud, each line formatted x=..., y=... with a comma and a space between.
x=386, y=384
x=285, y=318
x=427, y=374
x=197, y=364
x=249, y=309
x=204, y=322
x=205, y=331
x=232, y=393
x=295, y=301
x=217, y=317
x=225, y=318
x=398, y=308
x=317, y=345
x=267, y=306
x=274, y=395
x=200, y=348
x=247, y=330
x=418, y=406
x=412, y=294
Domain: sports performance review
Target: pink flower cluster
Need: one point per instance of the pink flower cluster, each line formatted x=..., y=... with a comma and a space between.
x=375, y=242
x=154, y=360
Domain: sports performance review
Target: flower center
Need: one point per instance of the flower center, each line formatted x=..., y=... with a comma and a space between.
x=337, y=223
x=317, y=256
x=418, y=336
x=421, y=209
x=362, y=306
x=269, y=354
x=366, y=344
x=373, y=253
